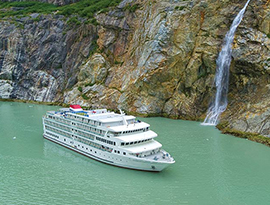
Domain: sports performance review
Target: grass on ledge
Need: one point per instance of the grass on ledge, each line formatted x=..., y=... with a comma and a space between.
x=83, y=8
x=246, y=135
x=25, y=7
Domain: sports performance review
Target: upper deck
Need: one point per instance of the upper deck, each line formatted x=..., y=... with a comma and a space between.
x=117, y=124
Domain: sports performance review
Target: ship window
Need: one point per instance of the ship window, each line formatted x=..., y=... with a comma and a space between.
x=113, y=143
x=122, y=143
x=135, y=142
x=118, y=152
x=124, y=153
x=115, y=151
x=131, y=143
x=64, y=139
x=82, y=146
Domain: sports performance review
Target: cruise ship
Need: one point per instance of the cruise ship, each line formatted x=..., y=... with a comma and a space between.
x=109, y=137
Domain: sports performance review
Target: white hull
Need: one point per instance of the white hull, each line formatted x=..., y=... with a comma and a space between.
x=111, y=158
x=107, y=137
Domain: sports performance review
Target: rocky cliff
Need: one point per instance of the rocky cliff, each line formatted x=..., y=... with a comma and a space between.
x=55, y=2
x=147, y=57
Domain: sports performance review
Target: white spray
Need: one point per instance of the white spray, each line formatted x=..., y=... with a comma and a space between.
x=219, y=104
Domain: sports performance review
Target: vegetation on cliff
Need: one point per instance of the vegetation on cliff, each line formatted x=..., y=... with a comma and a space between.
x=246, y=135
x=147, y=57
x=84, y=8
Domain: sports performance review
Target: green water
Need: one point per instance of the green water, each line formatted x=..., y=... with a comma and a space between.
x=210, y=168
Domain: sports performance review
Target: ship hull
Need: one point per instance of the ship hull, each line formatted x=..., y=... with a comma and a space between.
x=111, y=158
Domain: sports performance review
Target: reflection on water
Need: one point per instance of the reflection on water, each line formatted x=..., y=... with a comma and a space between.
x=210, y=168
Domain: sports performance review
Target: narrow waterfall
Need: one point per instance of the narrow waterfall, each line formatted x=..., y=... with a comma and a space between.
x=219, y=104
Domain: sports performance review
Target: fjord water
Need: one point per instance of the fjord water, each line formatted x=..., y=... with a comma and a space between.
x=219, y=103
x=210, y=168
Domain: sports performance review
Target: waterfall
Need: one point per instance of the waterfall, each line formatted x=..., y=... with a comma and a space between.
x=219, y=104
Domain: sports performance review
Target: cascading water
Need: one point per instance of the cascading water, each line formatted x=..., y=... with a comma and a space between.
x=219, y=104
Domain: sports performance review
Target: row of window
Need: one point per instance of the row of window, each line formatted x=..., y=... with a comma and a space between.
x=79, y=125
x=136, y=142
x=118, y=152
x=92, y=122
x=106, y=141
x=83, y=134
x=87, y=135
x=84, y=120
x=51, y=134
x=92, y=144
x=145, y=154
x=51, y=117
x=91, y=129
x=57, y=125
x=137, y=130
x=79, y=139
x=58, y=131
x=59, y=119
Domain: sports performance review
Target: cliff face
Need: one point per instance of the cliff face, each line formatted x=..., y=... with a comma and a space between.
x=55, y=2
x=153, y=57
x=40, y=59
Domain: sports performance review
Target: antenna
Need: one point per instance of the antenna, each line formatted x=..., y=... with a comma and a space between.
x=121, y=112
x=122, y=115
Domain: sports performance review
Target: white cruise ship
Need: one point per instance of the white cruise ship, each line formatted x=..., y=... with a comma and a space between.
x=112, y=138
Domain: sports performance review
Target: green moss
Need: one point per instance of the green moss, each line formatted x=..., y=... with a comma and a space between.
x=222, y=125
x=80, y=89
x=117, y=62
x=59, y=66
x=268, y=35
x=94, y=47
x=37, y=19
x=179, y=8
x=87, y=8
x=25, y=7
x=74, y=21
x=85, y=97
x=83, y=8
x=132, y=8
x=246, y=135
x=89, y=84
x=94, y=22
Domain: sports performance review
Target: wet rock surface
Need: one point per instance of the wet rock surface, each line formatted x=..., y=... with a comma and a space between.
x=146, y=57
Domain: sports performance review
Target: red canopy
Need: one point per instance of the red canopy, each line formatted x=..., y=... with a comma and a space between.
x=75, y=106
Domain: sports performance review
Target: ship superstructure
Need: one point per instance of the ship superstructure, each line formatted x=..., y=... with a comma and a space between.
x=109, y=137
